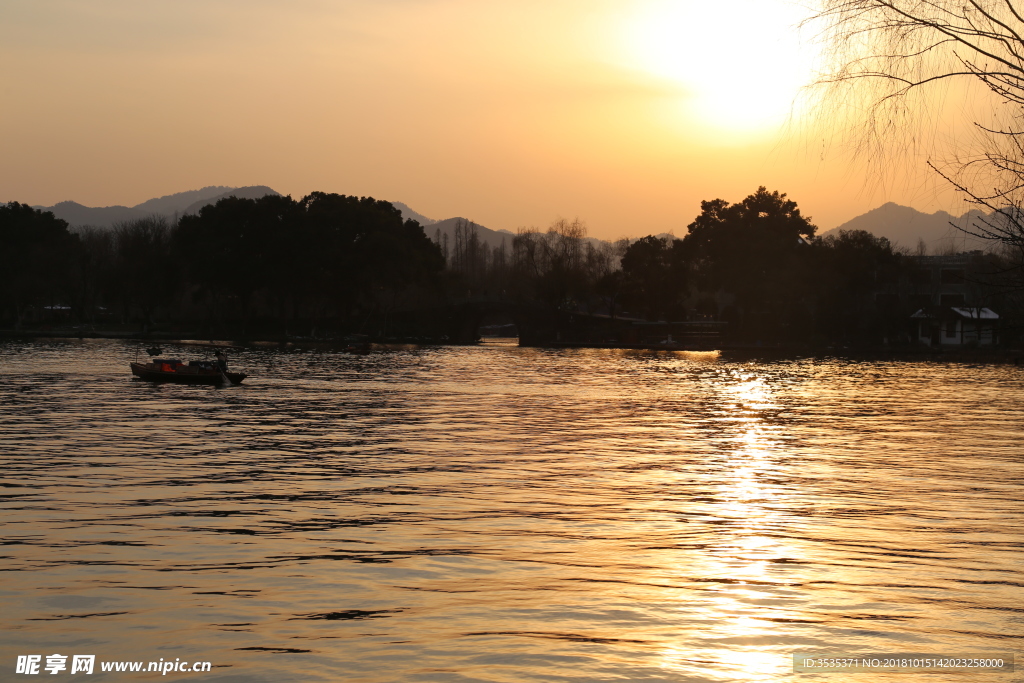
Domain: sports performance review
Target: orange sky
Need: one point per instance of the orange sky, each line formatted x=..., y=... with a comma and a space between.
x=511, y=113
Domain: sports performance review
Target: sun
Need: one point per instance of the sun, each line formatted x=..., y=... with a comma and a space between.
x=740, y=65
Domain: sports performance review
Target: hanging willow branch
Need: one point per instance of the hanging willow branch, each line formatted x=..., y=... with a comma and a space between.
x=898, y=58
x=895, y=50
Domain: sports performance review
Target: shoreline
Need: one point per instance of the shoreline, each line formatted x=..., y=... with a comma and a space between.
x=734, y=350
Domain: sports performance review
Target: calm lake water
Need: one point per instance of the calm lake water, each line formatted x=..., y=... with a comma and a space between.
x=494, y=513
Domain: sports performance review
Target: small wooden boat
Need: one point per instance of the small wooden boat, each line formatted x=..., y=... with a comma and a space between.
x=193, y=372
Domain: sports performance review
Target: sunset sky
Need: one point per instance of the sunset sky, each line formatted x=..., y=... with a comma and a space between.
x=511, y=113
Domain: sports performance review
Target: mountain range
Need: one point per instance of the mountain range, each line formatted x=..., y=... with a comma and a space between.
x=901, y=225
x=904, y=227
x=167, y=206
x=438, y=231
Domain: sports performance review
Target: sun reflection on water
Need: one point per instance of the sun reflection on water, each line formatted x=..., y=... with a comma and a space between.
x=510, y=514
x=741, y=601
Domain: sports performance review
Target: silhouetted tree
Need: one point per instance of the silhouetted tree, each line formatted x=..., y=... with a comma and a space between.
x=36, y=255
x=142, y=267
x=368, y=258
x=856, y=278
x=554, y=268
x=755, y=250
x=655, y=278
x=237, y=247
x=95, y=288
x=327, y=259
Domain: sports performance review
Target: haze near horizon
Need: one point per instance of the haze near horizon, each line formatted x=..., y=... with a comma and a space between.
x=624, y=114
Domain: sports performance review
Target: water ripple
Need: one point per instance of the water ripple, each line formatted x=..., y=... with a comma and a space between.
x=506, y=514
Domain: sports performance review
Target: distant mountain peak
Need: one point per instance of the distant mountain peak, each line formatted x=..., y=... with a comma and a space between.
x=180, y=201
x=905, y=226
x=169, y=205
x=409, y=214
x=248, y=192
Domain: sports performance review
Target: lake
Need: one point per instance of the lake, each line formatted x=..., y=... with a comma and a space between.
x=496, y=513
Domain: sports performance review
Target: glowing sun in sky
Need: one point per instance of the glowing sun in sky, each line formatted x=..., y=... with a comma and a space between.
x=740, y=64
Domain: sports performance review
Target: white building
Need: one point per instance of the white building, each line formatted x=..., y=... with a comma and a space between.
x=957, y=326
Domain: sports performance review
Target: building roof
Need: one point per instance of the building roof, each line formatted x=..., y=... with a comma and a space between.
x=963, y=311
x=976, y=313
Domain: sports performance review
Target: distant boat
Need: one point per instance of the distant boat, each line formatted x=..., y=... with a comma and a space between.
x=193, y=372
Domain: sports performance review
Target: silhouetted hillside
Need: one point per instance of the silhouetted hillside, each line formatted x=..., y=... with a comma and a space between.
x=492, y=238
x=102, y=216
x=409, y=214
x=437, y=230
x=248, y=192
x=904, y=226
x=180, y=203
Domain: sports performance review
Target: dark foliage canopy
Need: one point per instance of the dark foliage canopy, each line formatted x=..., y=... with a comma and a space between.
x=36, y=250
x=654, y=272
x=753, y=248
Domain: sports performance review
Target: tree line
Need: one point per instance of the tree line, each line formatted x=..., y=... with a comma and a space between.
x=331, y=264
x=757, y=264
x=272, y=264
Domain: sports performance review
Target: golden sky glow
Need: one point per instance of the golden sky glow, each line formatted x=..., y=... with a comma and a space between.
x=625, y=114
x=715, y=67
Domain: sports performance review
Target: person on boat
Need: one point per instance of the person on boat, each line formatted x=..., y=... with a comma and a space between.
x=222, y=361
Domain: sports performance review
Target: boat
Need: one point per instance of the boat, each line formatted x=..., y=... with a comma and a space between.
x=178, y=372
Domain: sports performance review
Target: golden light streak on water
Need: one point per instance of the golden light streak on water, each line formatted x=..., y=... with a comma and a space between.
x=507, y=514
